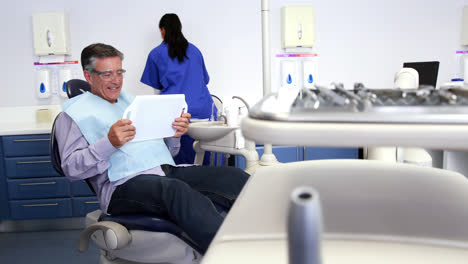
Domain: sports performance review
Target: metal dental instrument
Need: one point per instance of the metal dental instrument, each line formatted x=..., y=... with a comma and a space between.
x=336, y=98
x=353, y=97
x=448, y=96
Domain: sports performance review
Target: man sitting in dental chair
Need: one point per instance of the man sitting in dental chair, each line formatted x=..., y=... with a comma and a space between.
x=137, y=178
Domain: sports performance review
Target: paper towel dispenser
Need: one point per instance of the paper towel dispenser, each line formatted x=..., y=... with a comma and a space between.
x=464, y=26
x=297, y=26
x=51, y=33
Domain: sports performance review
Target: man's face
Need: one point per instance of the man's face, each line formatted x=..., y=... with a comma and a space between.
x=106, y=88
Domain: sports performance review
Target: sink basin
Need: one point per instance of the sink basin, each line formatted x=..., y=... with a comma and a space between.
x=209, y=130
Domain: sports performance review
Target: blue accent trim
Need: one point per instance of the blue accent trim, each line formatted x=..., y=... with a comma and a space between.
x=289, y=80
x=64, y=87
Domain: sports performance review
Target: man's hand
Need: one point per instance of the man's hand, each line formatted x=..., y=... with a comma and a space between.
x=181, y=124
x=121, y=132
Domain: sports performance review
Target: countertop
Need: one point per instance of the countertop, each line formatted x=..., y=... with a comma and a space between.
x=23, y=120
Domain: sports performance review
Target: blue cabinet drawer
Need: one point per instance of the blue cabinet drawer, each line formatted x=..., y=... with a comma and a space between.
x=81, y=188
x=84, y=205
x=27, y=167
x=38, y=188
x=45, y=208
x=27, y=145
x=316, y=153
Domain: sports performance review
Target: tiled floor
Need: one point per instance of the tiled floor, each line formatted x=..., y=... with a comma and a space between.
x=54, y=247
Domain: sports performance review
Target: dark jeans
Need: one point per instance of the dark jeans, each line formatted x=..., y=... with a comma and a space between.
x=184, y=196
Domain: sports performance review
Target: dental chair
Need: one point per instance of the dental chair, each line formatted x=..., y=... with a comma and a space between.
x=129, y=238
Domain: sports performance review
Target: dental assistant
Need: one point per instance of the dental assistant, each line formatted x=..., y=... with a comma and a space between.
x=177, y=67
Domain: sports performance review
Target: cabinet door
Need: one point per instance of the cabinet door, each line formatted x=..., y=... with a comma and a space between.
x=84, y=205
x=27, y=145
x=29, y=167
x=44, y=208
x=81, y=188
x=57, y=187
x=315, y=153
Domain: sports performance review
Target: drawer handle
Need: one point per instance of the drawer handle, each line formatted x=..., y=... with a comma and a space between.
x=37, y=183
x=93, y=202
x=31, y=140
x=33, y=162
x=39, y=205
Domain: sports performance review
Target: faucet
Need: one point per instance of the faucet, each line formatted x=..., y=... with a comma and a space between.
x=215, y=98
x=243, y=101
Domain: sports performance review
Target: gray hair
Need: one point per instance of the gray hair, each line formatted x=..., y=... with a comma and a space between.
x=91, y=53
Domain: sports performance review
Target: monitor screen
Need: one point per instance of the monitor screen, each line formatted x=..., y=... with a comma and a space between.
x=427, y=70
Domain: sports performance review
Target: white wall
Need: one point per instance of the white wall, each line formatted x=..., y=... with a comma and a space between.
x=368, y=40
x=360, y=40
x=227, y=33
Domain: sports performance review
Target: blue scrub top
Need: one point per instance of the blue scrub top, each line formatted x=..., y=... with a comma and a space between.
x=189, y=77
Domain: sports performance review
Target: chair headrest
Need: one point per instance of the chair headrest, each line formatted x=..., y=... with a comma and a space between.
x=76, y=87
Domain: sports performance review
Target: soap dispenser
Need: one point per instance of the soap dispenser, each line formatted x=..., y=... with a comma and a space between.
x=288, y=73
x=64, y=76
x=309, y=73
x=42, y=86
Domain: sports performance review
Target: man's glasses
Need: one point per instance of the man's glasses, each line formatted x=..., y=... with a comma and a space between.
x=110, y=74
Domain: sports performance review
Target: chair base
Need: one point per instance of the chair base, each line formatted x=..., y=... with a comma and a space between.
x=105, y=259
x=144, y=247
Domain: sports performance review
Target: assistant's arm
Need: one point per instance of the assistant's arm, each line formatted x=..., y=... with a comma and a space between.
x=79, y=159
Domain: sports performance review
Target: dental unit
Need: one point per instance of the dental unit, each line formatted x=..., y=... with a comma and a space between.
x=372, y=211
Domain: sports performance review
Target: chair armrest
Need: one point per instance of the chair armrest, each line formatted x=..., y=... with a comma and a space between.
x=116, y=236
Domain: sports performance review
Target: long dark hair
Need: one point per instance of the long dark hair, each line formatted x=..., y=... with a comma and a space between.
x=173, y=36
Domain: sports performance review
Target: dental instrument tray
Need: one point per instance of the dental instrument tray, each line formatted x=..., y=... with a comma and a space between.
x=425, y=105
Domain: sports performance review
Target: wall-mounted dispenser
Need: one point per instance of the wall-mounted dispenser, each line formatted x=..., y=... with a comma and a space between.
x=64, y=75
x=297, y=26
x=464, y=26
x=309, y=70
x=43, y=83
x=288, y=73
x=51, y=34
